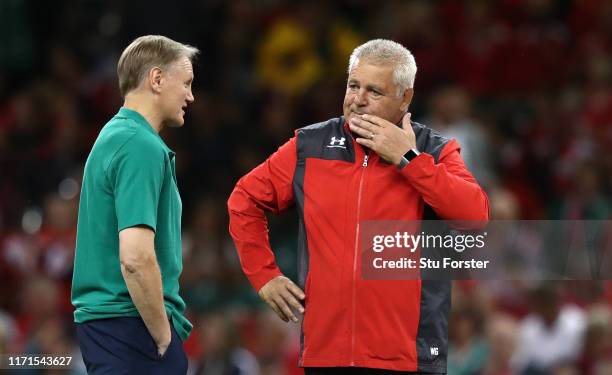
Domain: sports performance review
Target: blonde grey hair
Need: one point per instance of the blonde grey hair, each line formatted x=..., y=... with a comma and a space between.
x=387, y=52
x=145, y=53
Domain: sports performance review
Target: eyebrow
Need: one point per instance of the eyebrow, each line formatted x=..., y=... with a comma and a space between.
x=375, y=88
x=369, y=87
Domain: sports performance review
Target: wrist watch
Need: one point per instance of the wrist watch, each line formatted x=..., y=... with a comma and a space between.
x=407, y=158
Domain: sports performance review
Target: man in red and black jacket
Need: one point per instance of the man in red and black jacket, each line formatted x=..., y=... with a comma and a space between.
x=372, y=163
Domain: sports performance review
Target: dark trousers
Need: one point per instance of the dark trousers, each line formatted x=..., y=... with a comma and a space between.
x=124, y=346
x=356, y=371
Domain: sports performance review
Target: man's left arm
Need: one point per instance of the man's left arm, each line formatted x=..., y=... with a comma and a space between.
x=448, y=187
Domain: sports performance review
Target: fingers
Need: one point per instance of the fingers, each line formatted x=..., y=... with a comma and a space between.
x=360, y=131
x=376, y=121
x=281, y=293
x=277, y=310
x=366, y=142
x=406, y=124
x=162, y=350
x=363, y=125
x=368, y=126
x=296, y=290
x=281, y=302
x=389, y=141
x=293, y=294
x=294, y=303
x=271, y=300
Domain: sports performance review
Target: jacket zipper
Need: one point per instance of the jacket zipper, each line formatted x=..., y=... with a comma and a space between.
x=354, y=302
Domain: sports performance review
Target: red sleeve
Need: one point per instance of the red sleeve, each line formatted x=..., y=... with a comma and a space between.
x=448, y=187
x=268, y=187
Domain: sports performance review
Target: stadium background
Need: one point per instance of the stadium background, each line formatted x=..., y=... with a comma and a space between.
x=524, y=85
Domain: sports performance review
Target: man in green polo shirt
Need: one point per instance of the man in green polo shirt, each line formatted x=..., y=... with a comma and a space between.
x=125, y=286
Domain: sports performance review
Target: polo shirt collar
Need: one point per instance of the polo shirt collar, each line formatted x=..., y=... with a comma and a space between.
x=135, y=116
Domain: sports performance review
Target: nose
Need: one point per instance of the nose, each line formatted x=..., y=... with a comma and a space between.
x=360, y=99
x=190, y=98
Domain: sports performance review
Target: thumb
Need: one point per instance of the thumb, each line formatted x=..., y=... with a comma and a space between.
x=406, y=121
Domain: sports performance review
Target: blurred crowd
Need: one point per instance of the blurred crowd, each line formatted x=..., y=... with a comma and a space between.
x=525, y=86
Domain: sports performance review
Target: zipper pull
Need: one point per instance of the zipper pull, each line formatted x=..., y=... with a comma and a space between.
x=365, y=160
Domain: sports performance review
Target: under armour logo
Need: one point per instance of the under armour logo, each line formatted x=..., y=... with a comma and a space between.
x=334, y=140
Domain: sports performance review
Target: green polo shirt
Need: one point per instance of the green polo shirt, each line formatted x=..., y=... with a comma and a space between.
x=129, y=180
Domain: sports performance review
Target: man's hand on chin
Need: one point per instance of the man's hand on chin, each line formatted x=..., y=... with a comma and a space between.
x=389, y=141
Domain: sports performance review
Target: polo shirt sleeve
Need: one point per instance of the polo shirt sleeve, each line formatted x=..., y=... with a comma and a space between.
x=136, y=176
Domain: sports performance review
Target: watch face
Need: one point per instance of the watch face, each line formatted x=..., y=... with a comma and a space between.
x=411, y=154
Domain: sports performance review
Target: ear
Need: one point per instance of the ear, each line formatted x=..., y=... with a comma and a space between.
x=406, y=99
x=155, y=79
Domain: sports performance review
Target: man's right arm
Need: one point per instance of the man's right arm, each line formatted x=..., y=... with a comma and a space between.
x=143, y=279
x=268, y=187
x=136, y=175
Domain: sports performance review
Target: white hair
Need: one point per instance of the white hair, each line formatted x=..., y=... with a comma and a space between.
x=388, y=52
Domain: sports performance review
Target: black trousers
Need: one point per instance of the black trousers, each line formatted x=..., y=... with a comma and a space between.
x=120, y=346
x=358, y=371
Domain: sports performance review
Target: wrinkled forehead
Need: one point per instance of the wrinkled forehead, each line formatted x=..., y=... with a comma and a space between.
x=372, y=71
x=381, y=63
x=182, y=66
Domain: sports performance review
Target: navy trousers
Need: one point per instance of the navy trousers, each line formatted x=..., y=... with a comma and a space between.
x=120, y=346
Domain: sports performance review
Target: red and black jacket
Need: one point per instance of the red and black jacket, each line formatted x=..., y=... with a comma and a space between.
x=335, y=184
